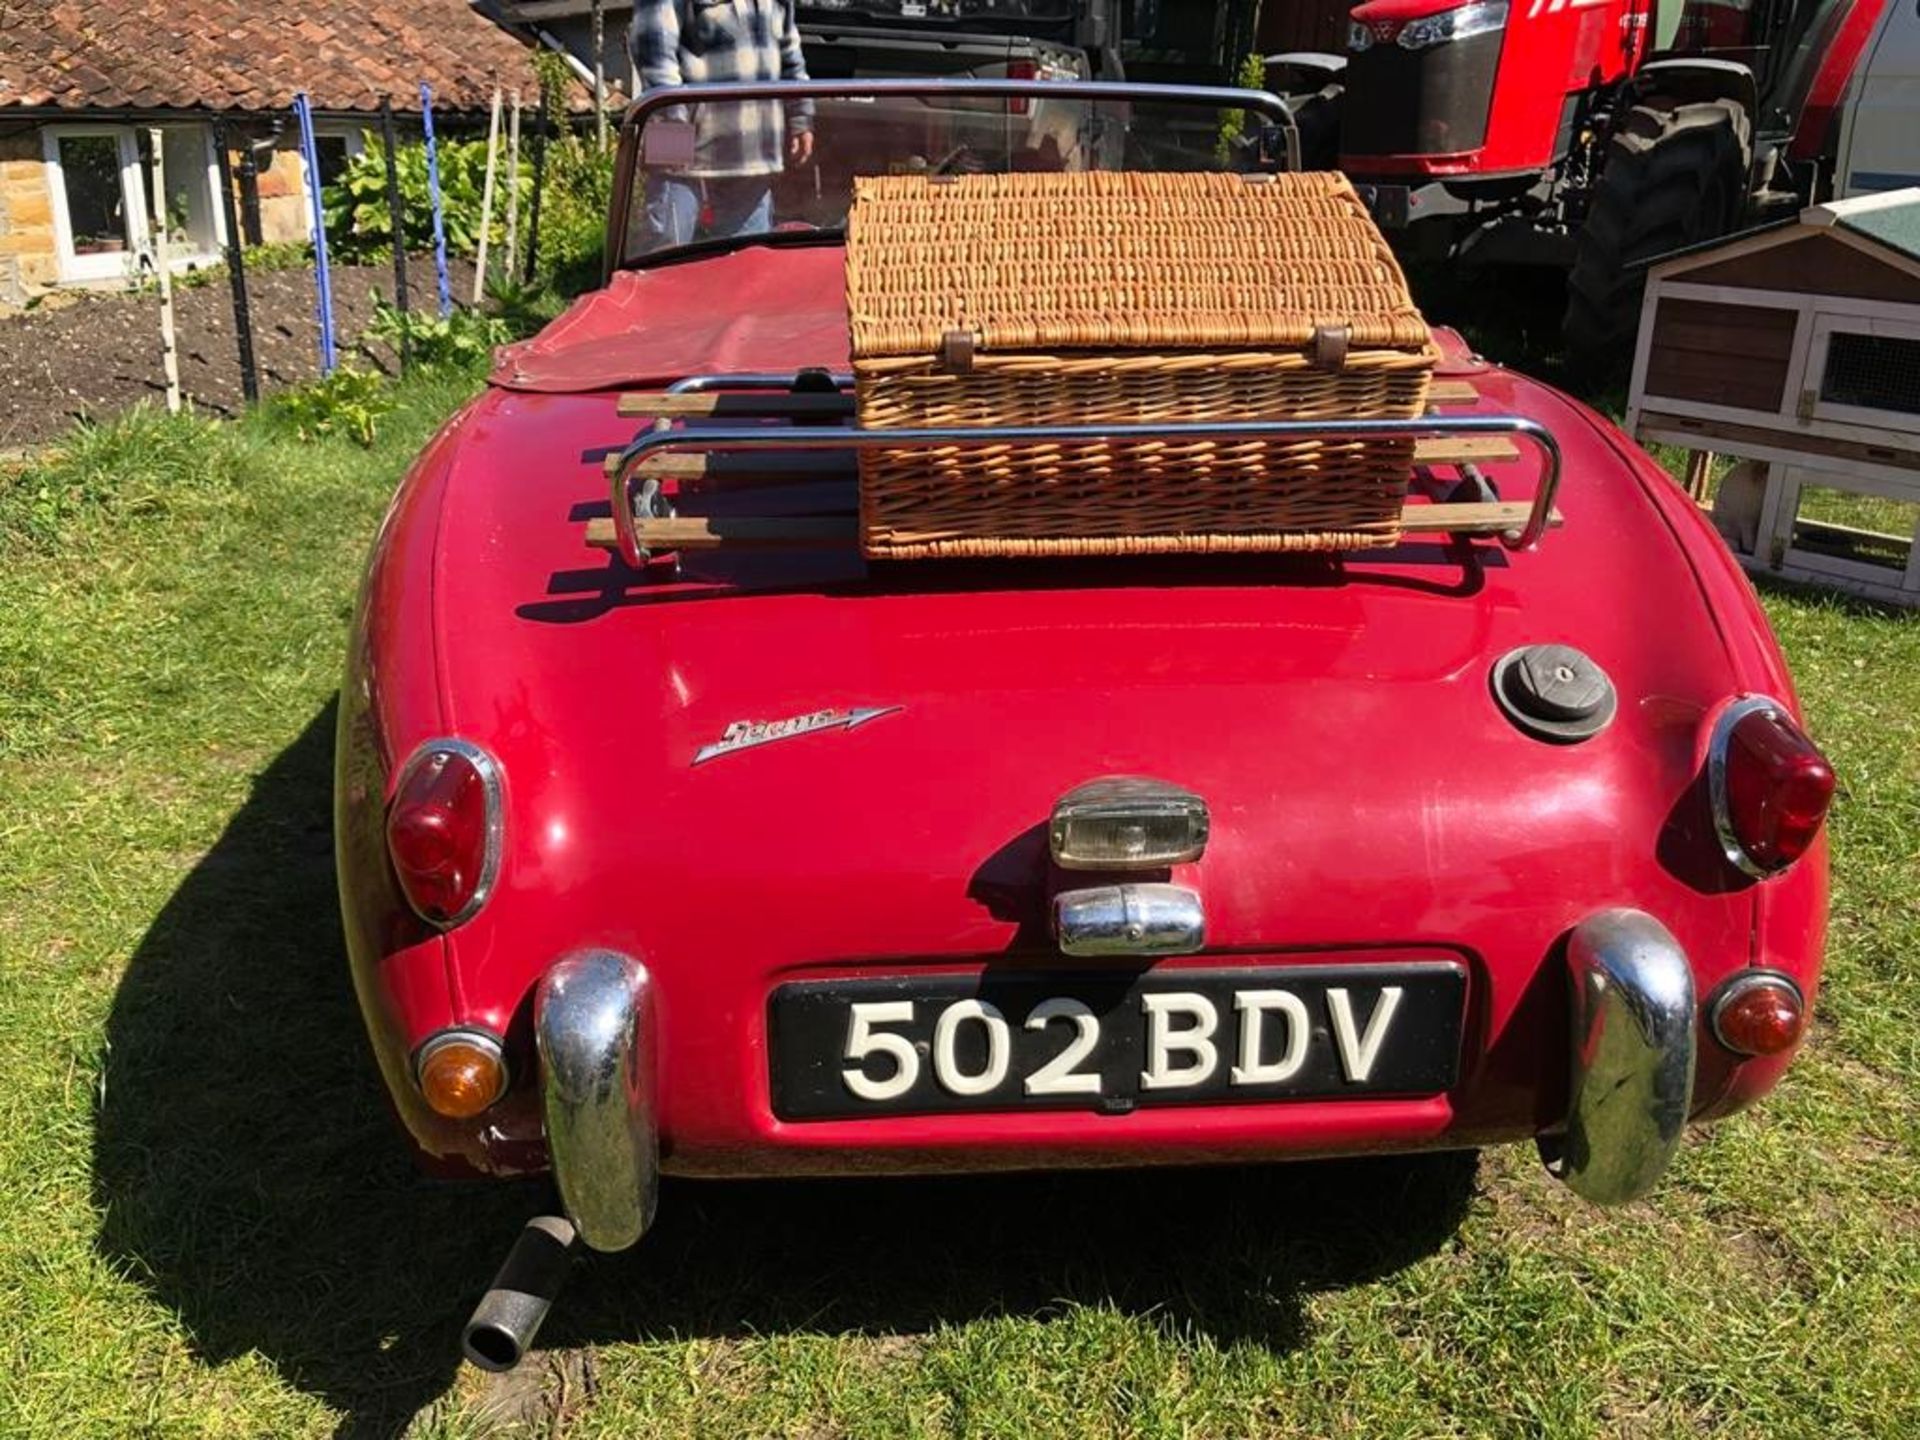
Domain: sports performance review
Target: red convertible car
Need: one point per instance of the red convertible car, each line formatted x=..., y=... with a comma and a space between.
x=675, y=836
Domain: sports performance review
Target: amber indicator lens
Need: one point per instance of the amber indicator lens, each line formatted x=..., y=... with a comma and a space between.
x=437, y=834
x=1759, y=1015
x=461, y=1075
x=1779, y=786
x=1126, y=822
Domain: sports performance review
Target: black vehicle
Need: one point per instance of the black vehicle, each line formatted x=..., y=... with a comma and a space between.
x=986, y=39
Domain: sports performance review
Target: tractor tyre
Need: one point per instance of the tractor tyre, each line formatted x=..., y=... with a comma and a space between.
x=1674, y=175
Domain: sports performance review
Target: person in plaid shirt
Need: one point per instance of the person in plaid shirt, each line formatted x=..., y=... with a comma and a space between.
x=738, y=146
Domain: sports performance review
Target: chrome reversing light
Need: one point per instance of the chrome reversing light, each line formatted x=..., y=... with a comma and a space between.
x=1127, y=822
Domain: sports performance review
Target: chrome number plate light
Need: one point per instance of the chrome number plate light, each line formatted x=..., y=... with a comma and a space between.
x=1127, y=822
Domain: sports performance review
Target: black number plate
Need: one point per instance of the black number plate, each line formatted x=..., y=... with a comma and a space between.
x=913, y=1045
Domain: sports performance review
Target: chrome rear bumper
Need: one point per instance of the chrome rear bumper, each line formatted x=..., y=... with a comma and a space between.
x=1632, y=1034
x=594, y=1028
x=1633, y=1039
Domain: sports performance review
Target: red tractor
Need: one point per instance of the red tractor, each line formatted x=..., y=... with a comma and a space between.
x=1587, y=134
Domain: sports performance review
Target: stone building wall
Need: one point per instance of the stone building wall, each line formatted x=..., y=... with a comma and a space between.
x=29, y=255
x=284, y=216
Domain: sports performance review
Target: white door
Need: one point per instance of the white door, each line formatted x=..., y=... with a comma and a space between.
x=99, y=215
x=1880, y=130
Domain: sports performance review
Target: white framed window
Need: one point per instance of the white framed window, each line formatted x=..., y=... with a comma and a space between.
x=99, y=215
x=101, y=180
x=337, y=142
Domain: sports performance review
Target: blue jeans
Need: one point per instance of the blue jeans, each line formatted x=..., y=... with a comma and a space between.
x=735, y=205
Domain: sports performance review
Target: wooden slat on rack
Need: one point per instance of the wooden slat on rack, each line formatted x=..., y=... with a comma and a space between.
x=738, y=404
x=764, y=465
x=715, y=532
x=1452, y=392
x=711, y=532
x=1464, y=450
x=1476, y=517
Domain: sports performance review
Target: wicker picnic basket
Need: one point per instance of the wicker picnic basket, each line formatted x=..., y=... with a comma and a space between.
x=1116, y=298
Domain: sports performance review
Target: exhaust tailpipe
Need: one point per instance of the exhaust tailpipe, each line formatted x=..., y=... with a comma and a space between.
x=509, y=1314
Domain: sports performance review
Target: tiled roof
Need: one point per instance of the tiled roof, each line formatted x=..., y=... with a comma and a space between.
x=253, y=54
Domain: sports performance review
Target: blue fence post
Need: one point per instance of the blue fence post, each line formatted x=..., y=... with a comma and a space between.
x=433, y=194
x=323, y=278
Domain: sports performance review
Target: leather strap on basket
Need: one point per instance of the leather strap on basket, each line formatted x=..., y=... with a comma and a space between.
x=956, y=352
x=1329, y=349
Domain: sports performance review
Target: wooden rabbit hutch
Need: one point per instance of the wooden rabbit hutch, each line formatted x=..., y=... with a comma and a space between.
x=1795, y=351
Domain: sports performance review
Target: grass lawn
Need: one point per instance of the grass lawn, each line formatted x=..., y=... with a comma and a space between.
x=212, y=1229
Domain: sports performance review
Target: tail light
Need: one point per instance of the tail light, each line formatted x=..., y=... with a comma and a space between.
x=443, y=830
x=1770, y=786
x=1758, y=1012
x=1021, y=70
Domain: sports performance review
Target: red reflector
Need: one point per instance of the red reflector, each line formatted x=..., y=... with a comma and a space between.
x=1759, y=1015
x=1777, y=789
x=439, y=833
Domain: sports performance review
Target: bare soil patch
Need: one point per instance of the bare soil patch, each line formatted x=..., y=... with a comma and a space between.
x=92, y=355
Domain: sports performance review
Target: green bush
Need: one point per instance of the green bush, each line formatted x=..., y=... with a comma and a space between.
x=360, y=222
x=575, y=194
x=348, y=402
x=463, y=340
x=575, y=191
x=525, y=308
x=1252, y=75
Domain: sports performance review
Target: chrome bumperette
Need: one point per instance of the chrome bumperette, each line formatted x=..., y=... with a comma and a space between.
x=1129, y=920
x=594, y=1029
x=1717, y=745
x=1633, y=1038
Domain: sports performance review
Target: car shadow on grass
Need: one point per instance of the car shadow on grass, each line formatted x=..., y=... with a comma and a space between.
x=251, y=1178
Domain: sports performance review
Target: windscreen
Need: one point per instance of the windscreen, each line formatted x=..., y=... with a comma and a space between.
x=739, y=169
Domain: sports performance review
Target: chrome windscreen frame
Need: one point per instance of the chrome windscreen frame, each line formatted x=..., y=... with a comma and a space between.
x=651, y=102
x=626, y=476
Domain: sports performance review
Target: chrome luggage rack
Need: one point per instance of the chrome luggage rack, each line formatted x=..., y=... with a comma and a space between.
x=817, y=437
